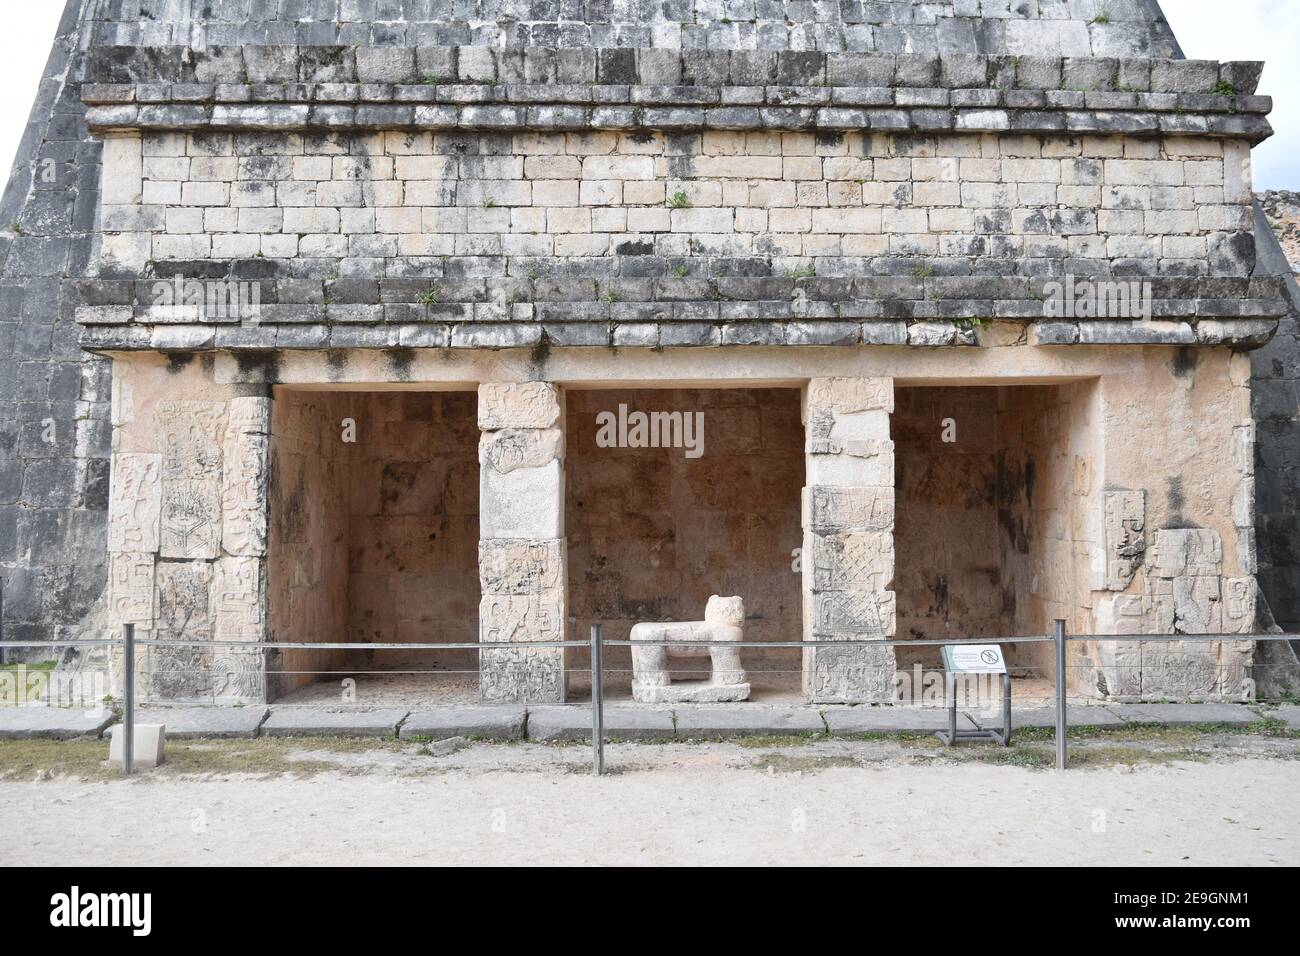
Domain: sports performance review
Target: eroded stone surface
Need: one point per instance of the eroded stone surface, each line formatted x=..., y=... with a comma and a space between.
x=1125, y=536
x=517, y=405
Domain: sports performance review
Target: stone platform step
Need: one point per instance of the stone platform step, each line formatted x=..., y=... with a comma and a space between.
x=623, y=721
x=186, y=723
x=570, y=722
x=307, y=721
x=1175, y=715
x=484, y=723
x=1289, y=714
x=55, y=723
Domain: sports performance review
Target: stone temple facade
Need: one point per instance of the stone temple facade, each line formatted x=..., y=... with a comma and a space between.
x=309, y=309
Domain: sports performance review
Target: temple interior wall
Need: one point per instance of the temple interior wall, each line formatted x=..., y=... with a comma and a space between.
x=652, y=533
x=374, y=509
x=987, y=527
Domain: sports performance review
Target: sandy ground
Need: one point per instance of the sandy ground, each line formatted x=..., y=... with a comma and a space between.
x=720, y=803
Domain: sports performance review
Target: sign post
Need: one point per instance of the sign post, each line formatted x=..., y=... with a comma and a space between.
x=972, y=660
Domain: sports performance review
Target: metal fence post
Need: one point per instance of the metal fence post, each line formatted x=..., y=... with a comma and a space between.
x=597, y=704
x=128, y=695
x=1061, y=728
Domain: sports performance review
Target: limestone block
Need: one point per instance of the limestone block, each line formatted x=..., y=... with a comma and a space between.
x=522, y=674
x=237, y=599
x=856, y=614
x=184, y=599
x=1197, y=607
x=123, y=161
x=191, y=518
x=1243, y=449
x=510, y=566
x=1236, y=663
x=524, y=503
x=1175, y=670
x=858, y=561
x=848, y=410
x=244, y=488
x=1158, y=606
x=1125, y=527
x=238, y=675
x=249, y=415
x=135, y=502
x=1187, y=551
x=1243, y=504
x=828, y=510
x=1239, y=603
x=147, y=745
x=850, y=675
x=1119, y=667
x=189, y=434
x=511, y=449
x=517, y=405
x=860, y=464
x=131, y=588
x=1247, y=550
x=845, y=395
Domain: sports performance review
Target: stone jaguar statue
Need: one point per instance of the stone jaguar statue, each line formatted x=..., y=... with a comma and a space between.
x=724, y=620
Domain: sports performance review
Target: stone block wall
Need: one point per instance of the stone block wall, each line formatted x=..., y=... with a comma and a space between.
x=848, y=551
x=603, y=205
x=655, y=533
x=1276, y=398
x=1178, y=555
x=413, y=527
x=1074, y=28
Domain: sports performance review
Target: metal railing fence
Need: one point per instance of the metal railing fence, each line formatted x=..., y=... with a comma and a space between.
x=1059, y=639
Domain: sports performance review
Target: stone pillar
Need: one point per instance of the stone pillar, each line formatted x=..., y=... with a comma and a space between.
x=848, y=538
x=187, y=544
x=522, y=554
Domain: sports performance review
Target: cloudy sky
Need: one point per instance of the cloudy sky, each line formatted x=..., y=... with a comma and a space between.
x=1266, y=30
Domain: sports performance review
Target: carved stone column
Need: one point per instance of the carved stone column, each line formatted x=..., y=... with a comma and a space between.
x=522, y=555
x=848, y=540
x=187, y=545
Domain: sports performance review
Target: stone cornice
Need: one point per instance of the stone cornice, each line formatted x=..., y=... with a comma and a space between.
x=274, y=88
x=882, y=310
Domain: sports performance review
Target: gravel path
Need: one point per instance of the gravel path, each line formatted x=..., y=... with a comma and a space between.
x=669, y=805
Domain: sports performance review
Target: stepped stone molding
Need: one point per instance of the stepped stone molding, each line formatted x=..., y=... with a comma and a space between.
x=285, y=88
x=880, y=310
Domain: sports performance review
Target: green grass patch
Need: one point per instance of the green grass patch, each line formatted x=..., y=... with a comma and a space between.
x=804, y=763
x=777, y=740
